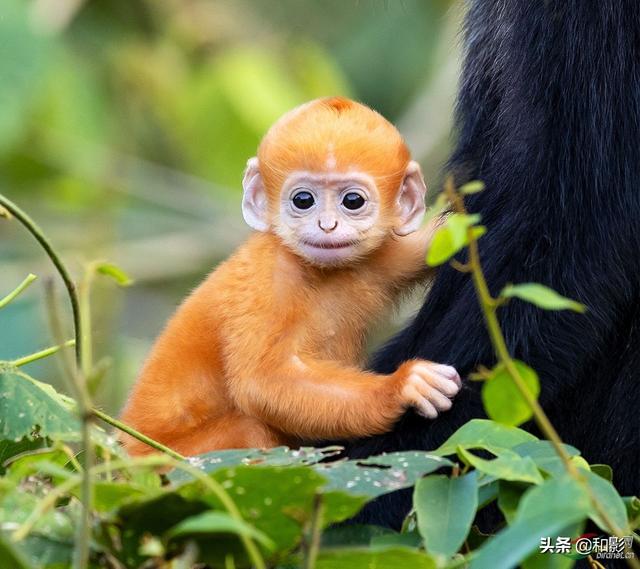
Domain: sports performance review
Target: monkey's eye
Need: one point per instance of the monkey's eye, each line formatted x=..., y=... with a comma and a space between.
x=353, y=201
x=303, y=200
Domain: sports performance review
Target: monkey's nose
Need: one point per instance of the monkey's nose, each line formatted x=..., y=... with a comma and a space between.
x=327, y=226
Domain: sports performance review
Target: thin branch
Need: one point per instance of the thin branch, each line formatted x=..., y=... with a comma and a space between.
x=18, y=290
x=136, y=434
x=42, y=354
x=33, y=228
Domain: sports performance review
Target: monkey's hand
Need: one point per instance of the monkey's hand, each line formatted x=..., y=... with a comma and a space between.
x=427, y=386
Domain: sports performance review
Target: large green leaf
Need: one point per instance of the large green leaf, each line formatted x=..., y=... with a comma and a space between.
x=27, y=405
x=370, y=477
x=278, y=501
x=445, y=508
x=483, y=434
x=277, y=456
x=542, y=296
x=544, y=511
x=381, y=474
x=502, y=399
x=388, y=558
x=507, y=466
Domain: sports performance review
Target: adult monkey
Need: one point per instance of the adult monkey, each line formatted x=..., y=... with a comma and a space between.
x=549, y=118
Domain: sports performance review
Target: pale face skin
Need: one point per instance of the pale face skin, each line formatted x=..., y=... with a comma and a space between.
x=332, y=218
x=329, y=219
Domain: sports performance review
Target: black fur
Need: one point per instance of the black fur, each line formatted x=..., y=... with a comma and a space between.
x=549, y=118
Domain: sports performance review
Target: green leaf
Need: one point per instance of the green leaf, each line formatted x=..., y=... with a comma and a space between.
x=632, y=503
x=541, y=296
x=509, y=497
x=211, y=523
x=353, y=535
x=545, y=456
x=277, y=456
x=507, y=466
x=603, y=471
x=389, y=558
x=27, y=404
x=544, y=511
x=51, y=461
x=502, y=399
x=484, y=434
x=452, y=237
x=116, y=273
x=10, y=557
x=9, y=449
x=408, y=539
x=380, y=474
x=445, y=508
x=109, y=496
x=472, y=187
x=610, y=501
x=487, y=493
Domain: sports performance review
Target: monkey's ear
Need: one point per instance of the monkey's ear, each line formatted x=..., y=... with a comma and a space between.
x=411, y=200
x=254, y=200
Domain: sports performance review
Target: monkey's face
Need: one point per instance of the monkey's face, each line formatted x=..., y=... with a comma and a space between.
x=330, y=219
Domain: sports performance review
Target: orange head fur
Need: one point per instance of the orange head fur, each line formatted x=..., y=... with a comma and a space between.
x=334, y=180
x=334, y=134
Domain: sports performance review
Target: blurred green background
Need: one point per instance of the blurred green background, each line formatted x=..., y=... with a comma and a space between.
x=125, y=126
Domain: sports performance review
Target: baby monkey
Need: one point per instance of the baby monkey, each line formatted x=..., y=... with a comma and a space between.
x=267, y=350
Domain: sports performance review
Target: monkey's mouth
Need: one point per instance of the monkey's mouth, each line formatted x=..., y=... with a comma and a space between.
x=330, y=244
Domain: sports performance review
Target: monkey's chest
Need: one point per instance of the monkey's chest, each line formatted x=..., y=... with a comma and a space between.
x=338, y=339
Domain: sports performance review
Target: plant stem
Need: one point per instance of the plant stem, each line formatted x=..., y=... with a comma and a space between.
x=42, y=354
x=18, y=290
x=33, y=228
x=136, y=434
x=315, y=533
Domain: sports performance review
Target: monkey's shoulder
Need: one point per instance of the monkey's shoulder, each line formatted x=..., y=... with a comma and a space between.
x=260, y=273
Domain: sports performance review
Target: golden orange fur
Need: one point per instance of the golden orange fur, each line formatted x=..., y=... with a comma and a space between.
x=266, y=351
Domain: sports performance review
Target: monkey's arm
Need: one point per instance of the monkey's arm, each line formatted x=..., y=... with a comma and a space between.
x=316, y=399
x=404, y=259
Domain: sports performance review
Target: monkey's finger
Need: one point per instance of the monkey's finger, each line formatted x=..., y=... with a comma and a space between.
x=446, y=378
x=440, y=402
x=438, y=399
x=447, y=386
x=434, y=379
x=426, y=409
x=448, y=372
